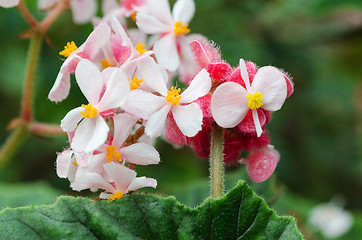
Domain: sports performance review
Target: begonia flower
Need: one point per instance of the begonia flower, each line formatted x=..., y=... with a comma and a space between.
x=92, y=130
x=158, y=19
x=231, y=102
x=187, y=114
x=123, y=181
x=9, y=3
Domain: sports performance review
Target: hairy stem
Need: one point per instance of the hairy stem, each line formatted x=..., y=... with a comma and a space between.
x=28, y=92
x=216, y=163
x=43, y=129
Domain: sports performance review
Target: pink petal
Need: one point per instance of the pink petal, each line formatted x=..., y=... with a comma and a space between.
x=109, y=6
x=120, y=175
x=205, y=52
x=140, y=154
x=198, y=87
x=62, y=162
x=141, y=182
x=123, y=125
x=90, y=134
x=8, y=3
x=94, y=181
x=83, y=10
x=150, y=24
x=271, y=83
x=70, y=122
x=166, y=52
x=183, y=10
x=188, y=118
x=229, y=104
x=46, y=4
x=156, y=122
x=90, y=80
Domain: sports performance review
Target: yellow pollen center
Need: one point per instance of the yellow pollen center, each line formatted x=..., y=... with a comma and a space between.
x=68, y=49
x=112, y=154
x=255, y=100
x=105, y=64
x=180, y=28
x=141, y=48
x=116, y=195
x=133, y=16
x=75, y=162
x=173, y=96
x=135, y=83
x=89, y=111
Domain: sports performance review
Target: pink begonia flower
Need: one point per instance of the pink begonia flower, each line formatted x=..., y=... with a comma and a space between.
x=92, y=130
x=66, y=165
x=110, y=9
x=261, y=163
x=119, y=181
x=187, y=114
x=231, y=102
x=82, y=10
x=9, y=3
x=157, y=19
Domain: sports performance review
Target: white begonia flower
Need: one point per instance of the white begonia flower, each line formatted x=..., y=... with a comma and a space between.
x=231, y=102
x=330, y=219
x=157, y=18
x=9, y=3
x=118, y=181
x=92, y=130
x=187, y=114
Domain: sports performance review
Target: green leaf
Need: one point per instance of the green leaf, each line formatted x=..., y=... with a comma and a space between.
x=240, y=214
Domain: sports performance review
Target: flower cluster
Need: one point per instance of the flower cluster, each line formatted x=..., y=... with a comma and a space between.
x=126, y=76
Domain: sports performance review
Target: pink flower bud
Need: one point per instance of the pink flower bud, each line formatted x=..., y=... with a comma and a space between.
x=261, y=163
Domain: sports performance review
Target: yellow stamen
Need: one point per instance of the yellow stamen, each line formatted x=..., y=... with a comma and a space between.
x=255, y=100
x=75, y=162
x=180, y=28
x=116, y=195
x=133, y=16
x=68, y=49
x=105, y=64
x=173, y=96
x=89, y=111
x=112, y=154
x=141, y=48
x=135, y=83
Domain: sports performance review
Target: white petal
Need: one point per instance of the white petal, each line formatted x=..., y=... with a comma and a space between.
x=96, y=41
x=93, y=181
x=271, y=83
x=150, y=24
x=45, y=4
x=198, y=87
x=143, y=104
x=160, y=9
x=83, y=10
x=140, y=153
x=229, y=104
x=123, y=125
x=259, y=131
x=188, y=118
x=90, y=80
x=244, y=73
x=118, y=28
x=90, y=134
x=156, y=122
x=141, y=182
x=8, y=3
x=120, y=175
x=62, y=162
x=166, y=52
x=183, y=10
x=71, y=120
x=109, y=6
x=116, y=93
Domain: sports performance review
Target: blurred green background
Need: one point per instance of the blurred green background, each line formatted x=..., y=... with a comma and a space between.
x=318, y=131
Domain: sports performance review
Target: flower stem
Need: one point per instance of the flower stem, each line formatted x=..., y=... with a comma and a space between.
x=27, y=15
x=28, y=92
x=43, y=129
x=216, y=162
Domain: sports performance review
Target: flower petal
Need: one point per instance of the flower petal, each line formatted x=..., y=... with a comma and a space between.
x=188, y=118
x=244, y=73
x=120, y=175
x=271, y=83
x=183, y=10
x=150, y=24
x=94, y=181
x=229, y=104
x=160, y=9
x=8, y=3
x=90, y=134
x=123, y=125
x=62, y=162
x=258, y=129
x=83, y=10
x=140, y=153
x=90, y=80
x=70, y=121
x=45, y=4
x=198, y=87
x=141, y=182
x=156, y=122
x=166, y=52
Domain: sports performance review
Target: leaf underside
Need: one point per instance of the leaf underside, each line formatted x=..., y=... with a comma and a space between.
x=240, y=214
